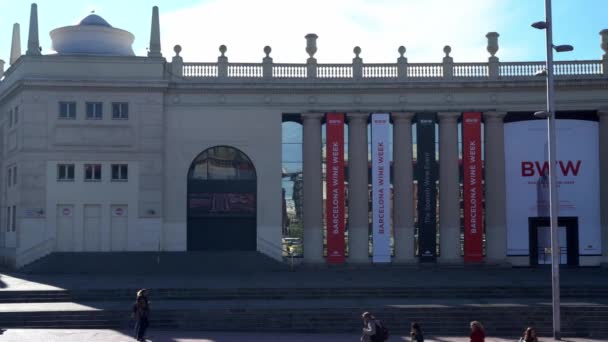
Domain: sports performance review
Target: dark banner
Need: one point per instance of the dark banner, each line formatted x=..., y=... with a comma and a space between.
x=334, y=202
x=472, y=187
x=426, y=174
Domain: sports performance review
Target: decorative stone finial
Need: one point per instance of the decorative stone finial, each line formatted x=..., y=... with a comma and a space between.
x=177, y=49
x=15, y=44
x=267, y=50
x=33, y=44
x=401, y=51
x=447, y=49
x=223, y=50
x=357, y=51
x=604, y=45
x=155, y=35
x=311, y=44
x=492, y=43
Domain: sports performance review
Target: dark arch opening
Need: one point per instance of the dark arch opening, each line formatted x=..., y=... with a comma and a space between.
x=222, y=196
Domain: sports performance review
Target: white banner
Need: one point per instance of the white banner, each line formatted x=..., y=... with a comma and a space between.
x=381, y=189
x=527, y=189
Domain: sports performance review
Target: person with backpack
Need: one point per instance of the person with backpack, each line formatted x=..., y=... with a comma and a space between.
x=373, y=329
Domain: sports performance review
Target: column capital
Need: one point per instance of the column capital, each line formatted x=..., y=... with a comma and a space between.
x=357, y=117
x=312, y=116
x=494, y=116
x=402, y=116
x=448, y=117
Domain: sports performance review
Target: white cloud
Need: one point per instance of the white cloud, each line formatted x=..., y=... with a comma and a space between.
x=379, y=27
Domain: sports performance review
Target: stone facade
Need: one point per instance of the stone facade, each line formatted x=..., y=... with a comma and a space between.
x=176, y=110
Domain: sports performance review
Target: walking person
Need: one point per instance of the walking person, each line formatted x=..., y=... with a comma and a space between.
x=477, y=332
x=373, y=329
x=416, y=333
x=529, y=335
x=369, y=327
x=141, y=313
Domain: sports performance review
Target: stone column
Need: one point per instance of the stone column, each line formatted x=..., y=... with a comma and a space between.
x=604, y=183
x=358, y=210
x=403, y=188
x=494, y=172
x=312, y=192
x=449, y=191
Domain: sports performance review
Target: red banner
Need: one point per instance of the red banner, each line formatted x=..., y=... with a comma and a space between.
x=334, y=202
x=473, y=189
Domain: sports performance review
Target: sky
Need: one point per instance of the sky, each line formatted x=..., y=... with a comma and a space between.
x=379, y=27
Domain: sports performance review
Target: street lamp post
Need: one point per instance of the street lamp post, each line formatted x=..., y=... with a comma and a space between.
x=547, y=25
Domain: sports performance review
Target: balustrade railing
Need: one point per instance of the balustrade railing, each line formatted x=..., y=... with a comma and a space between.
x=335, y=71
x=289, y=71
x=242, y=70
x=390, y=71
x=380, y=70
x=200, y=70
x=426, y=70
x=578, y=68
x=471, y=70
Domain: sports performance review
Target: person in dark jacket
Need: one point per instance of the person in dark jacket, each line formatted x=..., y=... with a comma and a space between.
x=477, y=332
x=141, y=313
x=416, y=333
x=529, y=335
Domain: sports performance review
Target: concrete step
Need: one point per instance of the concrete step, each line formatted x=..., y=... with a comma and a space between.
x=486, y=292
x=142, y=263
x=578, y=319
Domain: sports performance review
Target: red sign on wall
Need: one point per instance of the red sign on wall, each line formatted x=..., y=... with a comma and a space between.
x=334, y=202
x=473, y=190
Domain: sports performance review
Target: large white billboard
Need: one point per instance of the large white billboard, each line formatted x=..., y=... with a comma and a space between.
x=577, y=169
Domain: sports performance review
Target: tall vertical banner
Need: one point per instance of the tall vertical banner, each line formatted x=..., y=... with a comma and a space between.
x=381, y=189
x=334, y=203
x=472, y=184
x=426, y=174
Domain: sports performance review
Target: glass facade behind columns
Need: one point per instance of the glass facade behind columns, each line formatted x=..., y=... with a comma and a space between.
x=292, y=187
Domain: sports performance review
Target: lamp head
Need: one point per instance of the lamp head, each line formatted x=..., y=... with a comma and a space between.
x=542, y=114
x=540, y=25
x=563, y=48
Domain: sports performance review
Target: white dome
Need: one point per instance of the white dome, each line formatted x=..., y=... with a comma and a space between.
x=92, y=36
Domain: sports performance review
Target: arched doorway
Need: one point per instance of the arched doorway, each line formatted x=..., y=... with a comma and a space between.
x=222, y=201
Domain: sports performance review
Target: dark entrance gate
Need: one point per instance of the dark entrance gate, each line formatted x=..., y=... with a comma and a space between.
x=540, y=235
x=222, y=201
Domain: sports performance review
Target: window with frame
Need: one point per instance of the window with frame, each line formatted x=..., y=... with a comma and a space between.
x=120, y=111
x=67, y=110
x=16, y=115
x=15, y=175
x=94, y=110
x=8, y=219
x=14, y=219
x=92, y=172
x=65, y=172
x=10, y=118
x=9, y=177
x=120, y=172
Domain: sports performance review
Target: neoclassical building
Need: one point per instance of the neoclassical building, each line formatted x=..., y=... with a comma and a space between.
x=399, y=162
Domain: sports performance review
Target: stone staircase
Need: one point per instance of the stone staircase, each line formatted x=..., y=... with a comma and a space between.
x=251, y=292
x=141, y=263
x=438, y=318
